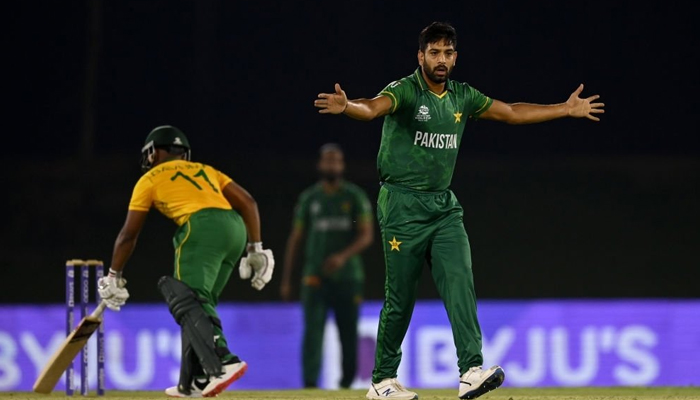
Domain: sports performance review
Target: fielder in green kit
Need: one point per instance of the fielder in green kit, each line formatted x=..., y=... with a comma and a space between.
x=334, y=217
x=419, y=217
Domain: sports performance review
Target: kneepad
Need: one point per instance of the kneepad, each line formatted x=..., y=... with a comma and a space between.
x=197, y=326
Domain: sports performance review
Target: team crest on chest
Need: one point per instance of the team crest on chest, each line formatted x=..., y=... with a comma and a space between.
x=423, y=113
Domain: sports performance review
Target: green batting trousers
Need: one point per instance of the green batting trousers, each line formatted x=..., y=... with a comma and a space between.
x=419, y=227
x=207, y=248
x=318, y=297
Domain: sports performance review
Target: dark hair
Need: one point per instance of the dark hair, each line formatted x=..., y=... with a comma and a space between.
x=330, y=147
x=435, y=32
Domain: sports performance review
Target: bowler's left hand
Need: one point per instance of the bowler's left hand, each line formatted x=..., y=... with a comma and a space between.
x=579, y=107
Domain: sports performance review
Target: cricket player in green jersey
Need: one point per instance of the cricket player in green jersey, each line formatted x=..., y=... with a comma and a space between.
x=334, y=216
x=419, y=217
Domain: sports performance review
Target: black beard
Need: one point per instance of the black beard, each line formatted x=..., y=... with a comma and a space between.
x=430, y=73
x=330, y=177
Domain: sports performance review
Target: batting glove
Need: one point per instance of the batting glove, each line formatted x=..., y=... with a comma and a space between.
x=259, y=264
x=112, y=291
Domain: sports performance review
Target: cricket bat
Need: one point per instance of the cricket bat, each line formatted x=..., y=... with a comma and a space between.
x=70, y=348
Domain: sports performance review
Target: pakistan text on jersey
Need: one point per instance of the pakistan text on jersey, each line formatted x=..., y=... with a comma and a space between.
x=435, y=140
x=326, y=224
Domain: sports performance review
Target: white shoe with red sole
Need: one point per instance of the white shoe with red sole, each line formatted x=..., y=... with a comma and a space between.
x=232, y=373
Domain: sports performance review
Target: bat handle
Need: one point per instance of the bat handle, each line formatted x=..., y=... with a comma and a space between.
x=99, y=310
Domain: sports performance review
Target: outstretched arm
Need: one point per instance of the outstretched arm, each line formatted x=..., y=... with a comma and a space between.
x=126, y=241
x=361, y=109
x=526, y=113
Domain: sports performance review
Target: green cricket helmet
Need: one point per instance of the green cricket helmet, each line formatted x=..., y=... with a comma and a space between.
x=165, y=137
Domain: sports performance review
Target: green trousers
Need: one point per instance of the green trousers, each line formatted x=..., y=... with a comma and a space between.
x=318, y=297
x=207, y=248
x=419, y=227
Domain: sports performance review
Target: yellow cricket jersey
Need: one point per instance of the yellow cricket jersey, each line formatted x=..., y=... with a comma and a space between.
x=179, y=188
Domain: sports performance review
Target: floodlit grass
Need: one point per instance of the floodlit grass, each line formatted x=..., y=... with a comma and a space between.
x=626, y=393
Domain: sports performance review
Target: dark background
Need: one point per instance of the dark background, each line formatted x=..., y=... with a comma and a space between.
x=569, y=208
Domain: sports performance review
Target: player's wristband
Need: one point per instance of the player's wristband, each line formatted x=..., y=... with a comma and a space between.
x=115, y=274
x=255, y=247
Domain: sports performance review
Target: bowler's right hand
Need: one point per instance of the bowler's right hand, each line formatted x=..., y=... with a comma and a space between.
x=332, y=103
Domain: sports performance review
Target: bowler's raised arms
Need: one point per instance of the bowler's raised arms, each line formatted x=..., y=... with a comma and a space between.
x=361, y=109
x=332, y=103
x=527, y=113
x=584, y=107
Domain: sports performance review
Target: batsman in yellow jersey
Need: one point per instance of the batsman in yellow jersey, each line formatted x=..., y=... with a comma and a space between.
x=215, y=217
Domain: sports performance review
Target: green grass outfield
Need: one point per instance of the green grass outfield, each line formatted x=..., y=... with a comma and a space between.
x=626, y=393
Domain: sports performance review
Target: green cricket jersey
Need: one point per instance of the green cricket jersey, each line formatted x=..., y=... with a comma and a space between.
x=329, y=221
x=421, y=135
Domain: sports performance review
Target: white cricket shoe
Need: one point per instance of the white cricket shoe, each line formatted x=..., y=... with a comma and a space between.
x=390, y=388
x=476, y=381
x=172, y=391
x=232, y=372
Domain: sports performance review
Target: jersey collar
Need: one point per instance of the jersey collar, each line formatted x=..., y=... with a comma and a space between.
x=424, y=85
x=341, y=187
x=170, y=160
